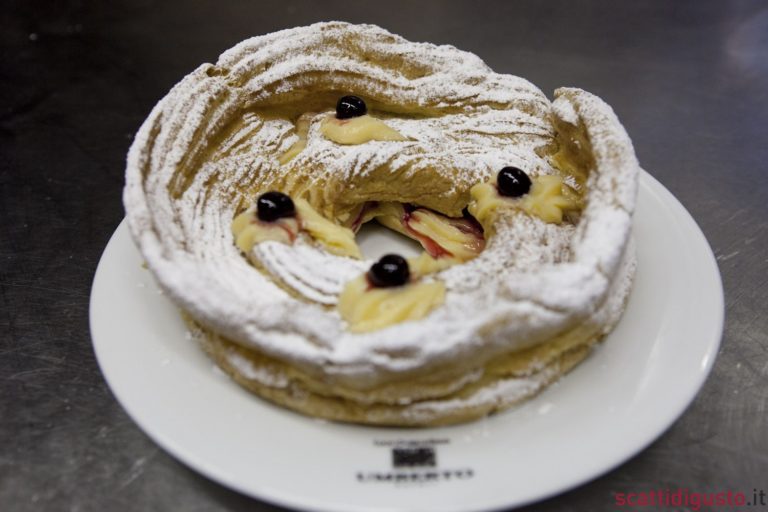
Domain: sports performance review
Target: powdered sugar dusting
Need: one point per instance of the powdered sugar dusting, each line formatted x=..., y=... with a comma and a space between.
x=256, y=373
x=212, y=142
x=498, y=395
x=297, y=268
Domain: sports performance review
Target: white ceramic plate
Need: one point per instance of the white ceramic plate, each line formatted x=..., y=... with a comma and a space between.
x=610, y=407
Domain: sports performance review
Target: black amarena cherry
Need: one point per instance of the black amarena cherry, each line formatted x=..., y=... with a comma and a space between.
x=513, y=182
x=274, y=205
x=350, y=106
x=390, y=270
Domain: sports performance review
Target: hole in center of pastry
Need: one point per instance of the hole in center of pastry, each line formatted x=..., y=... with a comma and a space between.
x=375, y=241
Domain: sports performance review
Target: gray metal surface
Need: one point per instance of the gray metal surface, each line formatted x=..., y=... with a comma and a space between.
x=688, y=79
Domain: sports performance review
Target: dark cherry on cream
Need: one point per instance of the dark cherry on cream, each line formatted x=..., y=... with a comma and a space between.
x=274, y=205
x=513, y=182
x=390, y=270
x=350, y=106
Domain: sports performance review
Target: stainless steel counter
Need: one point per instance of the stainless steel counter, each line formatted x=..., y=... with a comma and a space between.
x=689, y=80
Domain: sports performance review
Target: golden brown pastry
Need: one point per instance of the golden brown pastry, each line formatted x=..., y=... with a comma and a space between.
x=524, y=208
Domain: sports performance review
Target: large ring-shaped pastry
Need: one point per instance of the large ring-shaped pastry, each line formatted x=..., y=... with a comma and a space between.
x=551, y=280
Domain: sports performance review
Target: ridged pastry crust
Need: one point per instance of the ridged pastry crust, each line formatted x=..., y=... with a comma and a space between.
x=515, y=318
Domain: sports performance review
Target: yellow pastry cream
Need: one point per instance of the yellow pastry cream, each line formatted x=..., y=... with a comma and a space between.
x=547, y=197
x=357, y=130
x=338, y=240
x=302, y=132
x=249, y=228
x=353, y=125
x=369, y=302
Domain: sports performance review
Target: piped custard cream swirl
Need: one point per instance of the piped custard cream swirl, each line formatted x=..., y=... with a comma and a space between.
x=512, y=319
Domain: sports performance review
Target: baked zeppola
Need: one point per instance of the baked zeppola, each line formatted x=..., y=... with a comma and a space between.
x=247, y=183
